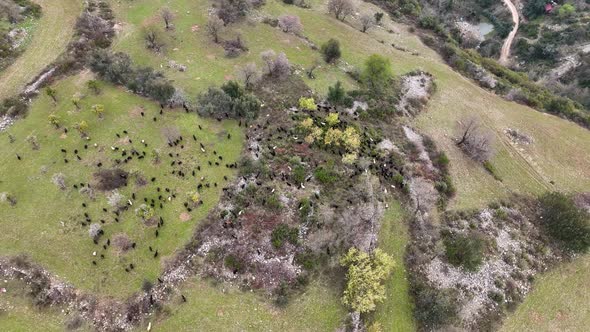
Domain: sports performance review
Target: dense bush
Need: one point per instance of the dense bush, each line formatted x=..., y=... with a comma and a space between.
x=230, y=100
x=331, y=50
x=565, y=222
x=233, y=263
x=433, y=308
x=118, y=68
x=465, y=250
x=283, y=233
x=325, y=175
x=14, y=107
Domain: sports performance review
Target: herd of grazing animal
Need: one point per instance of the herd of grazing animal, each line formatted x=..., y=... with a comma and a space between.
x=191, y=160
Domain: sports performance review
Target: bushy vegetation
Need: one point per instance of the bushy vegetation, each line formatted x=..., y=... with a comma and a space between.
x=118, y=69
x=433, y=308
x=12, y=13
x=331, y=50
x=465, y=250
x=364, y=278
x=565, y=222
x=283, y=233
x=231, y=100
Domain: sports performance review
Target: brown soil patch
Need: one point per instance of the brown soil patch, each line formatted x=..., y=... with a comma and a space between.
x=153, y=221
x=185, y=216
x=136, y=111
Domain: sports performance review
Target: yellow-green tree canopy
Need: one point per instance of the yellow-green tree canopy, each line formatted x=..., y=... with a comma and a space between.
x=332, y=119
x=98, y=109
x=365, y=277
x=333, y=136
x=307, y=104
x=351, y=139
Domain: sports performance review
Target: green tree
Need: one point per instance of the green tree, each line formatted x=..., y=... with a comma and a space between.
x=331, y=50
x=51, y=93
x=377, y=73
x=76, y=102
x=93, y=86
x=98, y=109
x=565, y=222
x=82, y=127
x=54, y=120
x=566, y=10
x=365, y=277
x=336, y=94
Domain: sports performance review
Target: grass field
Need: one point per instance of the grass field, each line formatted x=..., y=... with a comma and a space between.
x=559, y=302
x=396, y=313
x=189, y=44
x=46, y=222
x=225, y=308
x=54, y=30
x=17, y=314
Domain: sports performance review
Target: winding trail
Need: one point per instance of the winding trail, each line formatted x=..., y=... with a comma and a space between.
x=54, y=31
x=505, y=53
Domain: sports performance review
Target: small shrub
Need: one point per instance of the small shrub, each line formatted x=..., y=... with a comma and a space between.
x=465, y=250
x=433, y=308
x=298, y=174
x=325, y=176
x=492, y=170
x=307, y=104
x=283, y=233
x=336, y=94
x=233, y=263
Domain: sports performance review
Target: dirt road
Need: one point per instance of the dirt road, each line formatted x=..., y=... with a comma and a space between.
x=55, y=29
x=505, y=53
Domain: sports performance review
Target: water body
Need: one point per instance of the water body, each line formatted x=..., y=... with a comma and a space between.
x=484, y=28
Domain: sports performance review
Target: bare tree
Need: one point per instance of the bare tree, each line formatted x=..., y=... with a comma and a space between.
x=340, y=8
x=214, y=27
x=282, y=67
x=473, y=140
x=367, y=21
x=153, y=38
x=290, y=23
x=314, y=65
x=249, y=74
x=167, y=16
x=277, y=66
x=268, y=57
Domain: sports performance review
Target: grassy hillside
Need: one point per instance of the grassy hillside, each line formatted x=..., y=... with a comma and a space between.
x=49, y=40
x=226, y=308
x=558, y=303
x=559, y=150
x=17, y=314
x=46, y=223
x=396, y=313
